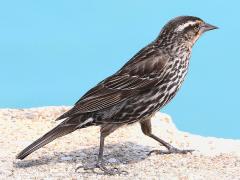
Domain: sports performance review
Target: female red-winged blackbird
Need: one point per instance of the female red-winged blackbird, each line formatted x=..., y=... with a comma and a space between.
x=139, y=89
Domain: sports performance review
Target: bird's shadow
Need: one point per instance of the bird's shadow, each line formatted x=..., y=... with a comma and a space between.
x=114, y=154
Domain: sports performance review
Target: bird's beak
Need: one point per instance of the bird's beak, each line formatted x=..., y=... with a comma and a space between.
x=208, y=27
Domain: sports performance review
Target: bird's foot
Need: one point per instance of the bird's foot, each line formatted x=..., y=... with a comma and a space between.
x=113, y=171
x=171, y=150
x=103, y=168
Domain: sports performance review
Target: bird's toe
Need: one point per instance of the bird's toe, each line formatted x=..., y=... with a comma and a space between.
x=171, y=151
x=112, y=171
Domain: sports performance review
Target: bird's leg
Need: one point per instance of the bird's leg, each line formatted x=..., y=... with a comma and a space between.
x=105, y=131
x=100, y=163
x=147, y=130
x=170, y=148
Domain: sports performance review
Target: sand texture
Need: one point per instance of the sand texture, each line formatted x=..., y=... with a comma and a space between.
x=127, y=149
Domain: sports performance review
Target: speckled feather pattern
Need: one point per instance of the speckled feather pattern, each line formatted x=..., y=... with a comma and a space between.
x=142, y=87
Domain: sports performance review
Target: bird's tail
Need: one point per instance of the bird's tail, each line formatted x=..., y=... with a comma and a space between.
x=60, y=130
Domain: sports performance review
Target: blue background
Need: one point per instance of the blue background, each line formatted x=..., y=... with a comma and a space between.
x=52, y=52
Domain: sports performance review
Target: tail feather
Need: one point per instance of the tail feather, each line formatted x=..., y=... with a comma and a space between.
x=56, y=132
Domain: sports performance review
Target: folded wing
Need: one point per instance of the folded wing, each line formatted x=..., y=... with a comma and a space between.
x=128, y=82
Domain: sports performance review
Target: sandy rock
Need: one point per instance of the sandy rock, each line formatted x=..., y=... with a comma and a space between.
x=126, y=149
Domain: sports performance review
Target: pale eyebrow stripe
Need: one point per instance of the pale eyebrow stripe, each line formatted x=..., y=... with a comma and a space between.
x=183, y=26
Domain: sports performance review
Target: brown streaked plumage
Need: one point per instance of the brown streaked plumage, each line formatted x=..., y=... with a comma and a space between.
x=133, y=94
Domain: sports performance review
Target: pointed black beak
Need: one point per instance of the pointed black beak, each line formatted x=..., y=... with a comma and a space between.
x=208, y=27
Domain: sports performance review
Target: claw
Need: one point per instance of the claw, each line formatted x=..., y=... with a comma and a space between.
x=105, y=170
x=171, y=151
x=113, y=171
x=86, y=169
x=102, y=167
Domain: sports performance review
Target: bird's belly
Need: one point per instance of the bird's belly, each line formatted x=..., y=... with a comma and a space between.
x=171, y=87
x=164, y=93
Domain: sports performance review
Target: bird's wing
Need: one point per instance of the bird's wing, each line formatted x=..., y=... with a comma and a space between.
x=130, y=80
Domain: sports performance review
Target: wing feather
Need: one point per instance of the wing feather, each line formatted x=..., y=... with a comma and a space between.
x=136, y=76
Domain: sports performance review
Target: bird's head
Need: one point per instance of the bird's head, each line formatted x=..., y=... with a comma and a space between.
x=184, y=29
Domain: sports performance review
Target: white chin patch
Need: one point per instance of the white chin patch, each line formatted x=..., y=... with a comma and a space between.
x=183, y=26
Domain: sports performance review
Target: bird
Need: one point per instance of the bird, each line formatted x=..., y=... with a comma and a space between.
x=145, y=84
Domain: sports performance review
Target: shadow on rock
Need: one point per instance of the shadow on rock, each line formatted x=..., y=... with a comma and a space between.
x=114, y=154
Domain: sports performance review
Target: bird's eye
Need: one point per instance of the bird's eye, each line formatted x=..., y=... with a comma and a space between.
x=196, y=28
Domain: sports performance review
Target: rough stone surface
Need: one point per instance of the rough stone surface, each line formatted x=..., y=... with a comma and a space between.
x=126, y=149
